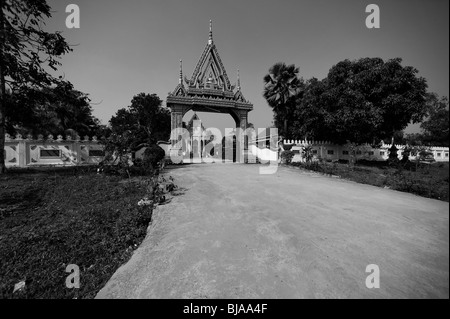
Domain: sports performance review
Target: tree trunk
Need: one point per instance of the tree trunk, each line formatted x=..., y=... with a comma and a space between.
x=2, y=90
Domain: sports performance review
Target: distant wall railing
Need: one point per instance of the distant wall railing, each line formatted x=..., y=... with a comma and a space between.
x=329, y=151
x=29, y=152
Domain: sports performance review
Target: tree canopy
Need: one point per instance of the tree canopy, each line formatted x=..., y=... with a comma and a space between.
x=52, y=110
x=435, y=127
x=27, y=52
x=282, y=85
x=145, y=121
x=361, y=101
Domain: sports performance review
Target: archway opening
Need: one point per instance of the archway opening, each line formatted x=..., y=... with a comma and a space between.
x=211, y=135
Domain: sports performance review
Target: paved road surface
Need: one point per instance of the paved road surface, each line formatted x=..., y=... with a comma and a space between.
x=238, y=234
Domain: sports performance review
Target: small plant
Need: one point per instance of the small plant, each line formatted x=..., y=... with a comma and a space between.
x=307, y=154
x=153, y=155
x=406, y=154
x=287, y=156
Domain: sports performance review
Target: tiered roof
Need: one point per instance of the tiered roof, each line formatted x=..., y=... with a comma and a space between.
x=209, y=84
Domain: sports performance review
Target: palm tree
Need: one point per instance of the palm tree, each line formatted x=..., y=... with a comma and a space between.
x=281, y=88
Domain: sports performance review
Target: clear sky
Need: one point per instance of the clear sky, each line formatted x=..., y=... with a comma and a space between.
x=127, y=47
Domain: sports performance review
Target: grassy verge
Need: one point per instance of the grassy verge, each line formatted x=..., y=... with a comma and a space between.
x=50, y=219
x=427, y=180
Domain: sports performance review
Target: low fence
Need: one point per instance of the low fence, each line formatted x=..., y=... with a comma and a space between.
x=328, y=151
x=29, y=152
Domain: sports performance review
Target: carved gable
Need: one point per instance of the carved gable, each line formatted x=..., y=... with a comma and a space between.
x=179, y=90
x=209, y=87
x=240, y=97
x=210, y=72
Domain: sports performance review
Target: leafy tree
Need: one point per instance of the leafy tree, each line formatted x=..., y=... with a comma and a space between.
x=146, y=119
x=25, y=52
x=436, y=126
x=282, y=86
x=363, y=101
x=52, y=110
x=310, y=116
x=142, y=124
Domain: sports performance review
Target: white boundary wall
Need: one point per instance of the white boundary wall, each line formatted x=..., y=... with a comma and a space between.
x=28, y=152
x=328, y=151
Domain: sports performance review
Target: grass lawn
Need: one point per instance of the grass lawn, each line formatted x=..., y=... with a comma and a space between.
x=427, y=180
x=50, y=219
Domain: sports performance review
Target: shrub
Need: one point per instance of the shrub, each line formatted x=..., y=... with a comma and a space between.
x=153, y=155
x=307, y=154
x=287, y=156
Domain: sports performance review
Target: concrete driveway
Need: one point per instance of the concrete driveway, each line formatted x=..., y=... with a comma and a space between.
x=295, y=234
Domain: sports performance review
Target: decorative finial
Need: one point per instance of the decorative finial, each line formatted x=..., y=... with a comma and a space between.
x=210, y=41
x=181, y=72
x=238, y=81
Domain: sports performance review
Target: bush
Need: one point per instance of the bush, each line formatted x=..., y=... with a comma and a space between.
x=148, y=166
x=287, y=156
x=307, y=154
x=153, y=155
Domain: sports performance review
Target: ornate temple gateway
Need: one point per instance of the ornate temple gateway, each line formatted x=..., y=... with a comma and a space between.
x=208, y=90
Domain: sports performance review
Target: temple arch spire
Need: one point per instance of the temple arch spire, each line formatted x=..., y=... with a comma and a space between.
x=210, y=40
x=181, y=72
x=238, y=80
